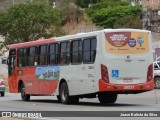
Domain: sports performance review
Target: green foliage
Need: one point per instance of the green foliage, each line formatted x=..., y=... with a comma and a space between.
x=42, y=1
x=108, y=4
x=128, y=22
x=85, y=3
x=29, y=21
x=51, y=2
x=106, y=13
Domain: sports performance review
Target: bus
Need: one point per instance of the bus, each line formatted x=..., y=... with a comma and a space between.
x=100, y=64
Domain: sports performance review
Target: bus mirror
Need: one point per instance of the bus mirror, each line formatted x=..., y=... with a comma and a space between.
x=4, y=60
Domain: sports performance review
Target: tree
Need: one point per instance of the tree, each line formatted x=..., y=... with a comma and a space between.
x=106, y=13
x=128, y=22
x=29, y=21
x=85, y=3
x=104, y=4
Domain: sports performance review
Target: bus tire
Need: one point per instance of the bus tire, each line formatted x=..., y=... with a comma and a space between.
x=24, y=96
x=2, y=94
x=64, y=94
x=107, y=97
x=58, y=98
x=157, y=82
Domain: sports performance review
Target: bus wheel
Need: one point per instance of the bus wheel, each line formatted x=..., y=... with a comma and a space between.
x=58, y=98
x=24, y=96
x=157, y=83
x=64, y=94
x=107, y=97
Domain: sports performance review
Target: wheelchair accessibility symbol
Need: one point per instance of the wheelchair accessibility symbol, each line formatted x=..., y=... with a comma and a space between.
x=115, y=73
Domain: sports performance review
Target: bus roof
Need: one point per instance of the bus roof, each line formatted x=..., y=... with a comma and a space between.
x=32, y=43
x=75, y=36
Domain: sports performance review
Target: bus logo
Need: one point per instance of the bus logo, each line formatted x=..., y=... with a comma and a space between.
x=132, y=42
x=140, y=41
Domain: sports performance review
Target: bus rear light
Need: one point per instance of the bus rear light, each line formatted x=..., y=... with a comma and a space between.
x=150, y=73
x=104, y=73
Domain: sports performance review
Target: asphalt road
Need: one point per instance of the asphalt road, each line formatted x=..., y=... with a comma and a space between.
x=148, y=101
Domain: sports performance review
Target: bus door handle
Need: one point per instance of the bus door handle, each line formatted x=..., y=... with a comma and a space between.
x=128, y=60
x=141, y=60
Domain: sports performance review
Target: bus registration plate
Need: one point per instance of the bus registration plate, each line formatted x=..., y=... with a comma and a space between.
x=129, y=87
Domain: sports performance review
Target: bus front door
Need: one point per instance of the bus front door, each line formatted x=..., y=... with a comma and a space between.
x=12, y=74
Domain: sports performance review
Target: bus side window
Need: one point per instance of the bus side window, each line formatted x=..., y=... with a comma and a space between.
x=93, y=48
x=64, y=53
x=89, y=50
x=32, y=56
x=53, y=54
x=22, y=58
x=76, y=51
x=42, y=55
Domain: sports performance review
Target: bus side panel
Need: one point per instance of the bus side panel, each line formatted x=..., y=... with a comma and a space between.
x=30, y=82
x=69, y=74
x=79, y=78
x=35, y=86
x=38, y=85
x=47, y=87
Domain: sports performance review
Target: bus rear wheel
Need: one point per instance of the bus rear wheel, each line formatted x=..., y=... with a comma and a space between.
x=24, y=96
x=58, y=98
x=107, y=97
x=64, y=95
x=157, y=83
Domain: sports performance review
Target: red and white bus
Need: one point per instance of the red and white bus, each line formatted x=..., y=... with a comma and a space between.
x=103, y=63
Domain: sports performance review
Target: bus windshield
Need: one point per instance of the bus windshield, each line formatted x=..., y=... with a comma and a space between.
x=126, y=42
